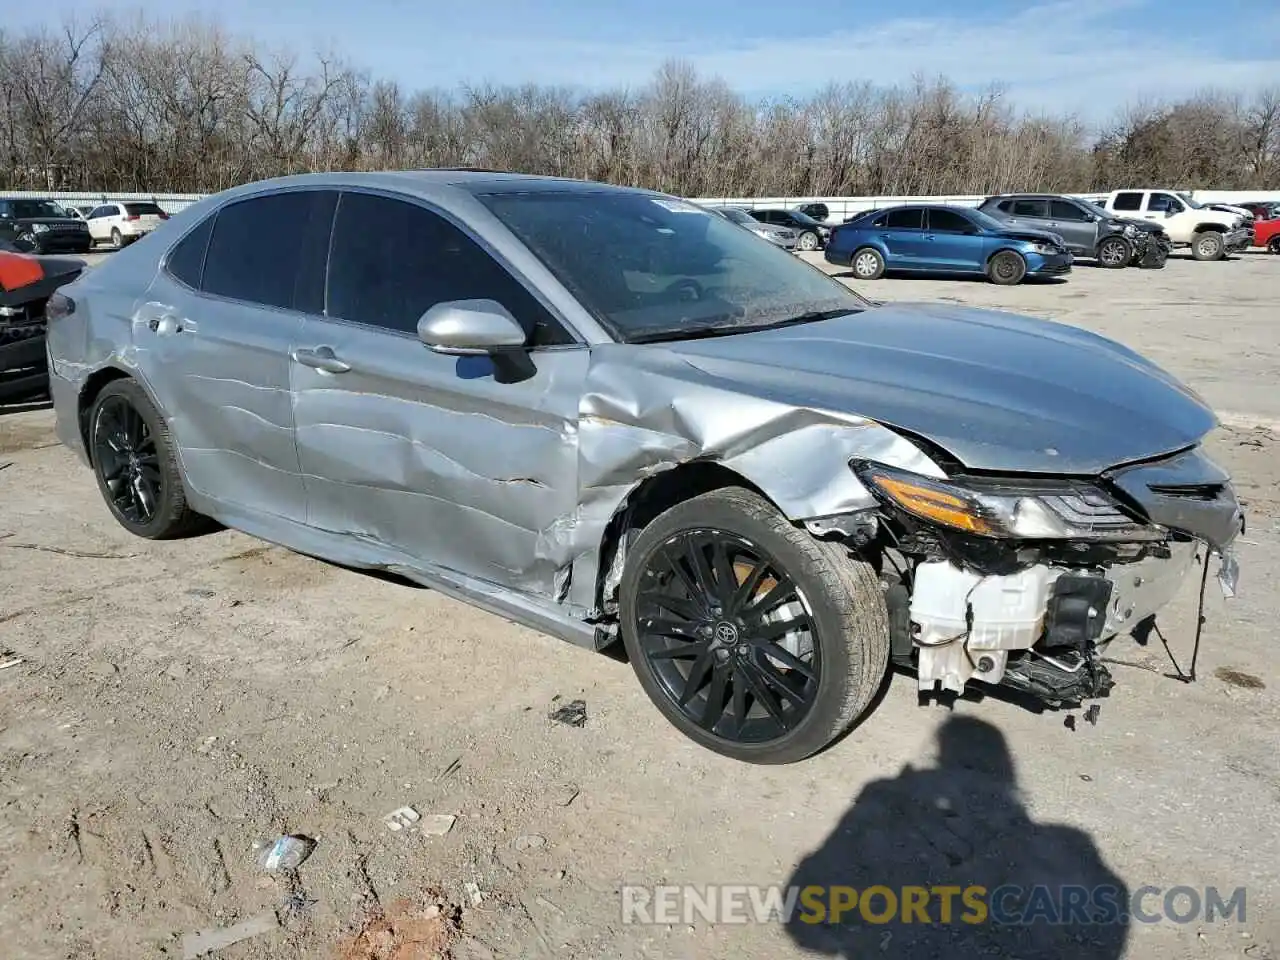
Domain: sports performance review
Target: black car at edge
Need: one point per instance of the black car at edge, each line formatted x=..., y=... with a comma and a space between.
x=42, y=226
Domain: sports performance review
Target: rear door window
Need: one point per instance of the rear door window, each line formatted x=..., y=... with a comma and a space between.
x=948, y=221
x=1065, y=210
x=256, y=250
x=392, y=260
x=911, y=218
x=1036, y=209
x=186, y=259
x=1130, y=200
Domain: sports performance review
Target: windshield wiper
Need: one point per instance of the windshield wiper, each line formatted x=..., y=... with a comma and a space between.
x=728, y=330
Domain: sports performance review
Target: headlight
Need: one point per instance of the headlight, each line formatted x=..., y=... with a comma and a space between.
x=39, y=228
x=1045, y=248
x=1032, y=510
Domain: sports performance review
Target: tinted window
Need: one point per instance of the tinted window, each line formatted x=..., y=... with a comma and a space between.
x=880, y=221
x=910, y=218
x=1160, y=202
x=1030, y=208
x=1065, y=210
x=391, y=261
x=948, y=221
x=256, y=248
x=143, y=209
x=652, y=267
x=1128, y=201
x=186, y=260
x=34, y=208
x=100, y=212
x=1005, y=205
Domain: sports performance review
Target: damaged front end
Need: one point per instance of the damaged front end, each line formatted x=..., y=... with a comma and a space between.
x=1022, y=582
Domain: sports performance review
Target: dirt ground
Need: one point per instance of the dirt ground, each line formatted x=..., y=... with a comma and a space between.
x=178, y=702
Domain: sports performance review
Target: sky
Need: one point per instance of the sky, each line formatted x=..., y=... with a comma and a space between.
x=1088, y=57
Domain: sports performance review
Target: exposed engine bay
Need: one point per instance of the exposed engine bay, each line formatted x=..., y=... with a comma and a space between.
x=1023, y=582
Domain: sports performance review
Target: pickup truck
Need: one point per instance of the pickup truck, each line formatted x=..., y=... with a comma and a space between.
x=1211, y=234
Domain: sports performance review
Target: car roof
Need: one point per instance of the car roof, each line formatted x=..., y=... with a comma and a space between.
x=430, y=181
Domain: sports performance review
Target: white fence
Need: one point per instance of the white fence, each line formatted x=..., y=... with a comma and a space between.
x=839, y=207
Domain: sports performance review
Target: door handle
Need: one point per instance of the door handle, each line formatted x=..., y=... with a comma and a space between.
x=320, y=358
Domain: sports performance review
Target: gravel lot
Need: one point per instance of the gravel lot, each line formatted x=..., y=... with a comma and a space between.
x=177, y=702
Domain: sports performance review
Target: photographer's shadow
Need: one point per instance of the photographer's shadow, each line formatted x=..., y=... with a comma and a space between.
x=961, y=824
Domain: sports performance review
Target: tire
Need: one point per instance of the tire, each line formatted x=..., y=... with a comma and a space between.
x=867, y=263
x=834, y=602
x=117, y=239
x=1273, y=245
x=1007, y=268
x=1114, y=253
x=808, y=241
x=1208, y=245
x=154, y=462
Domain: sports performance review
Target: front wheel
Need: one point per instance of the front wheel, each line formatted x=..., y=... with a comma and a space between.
x=867, y=264
x=808, y=241
x=1208, y=246
x=136, y=464
x=753, y=638
x=1114, y=253
x=1007, y=268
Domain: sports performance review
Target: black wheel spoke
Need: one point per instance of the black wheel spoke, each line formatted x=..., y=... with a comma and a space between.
x=684, y=609
x=772, y=630
x=776, y=680
x=725, y=580
x=703, y=576
x=790, y=661
x=739, y=703
x=662, y=627
x=697, y=676
x=685, y=651
x=713, y=709
x=747, y=589
x=763, y=695
x=782, y=590
x=677, y=566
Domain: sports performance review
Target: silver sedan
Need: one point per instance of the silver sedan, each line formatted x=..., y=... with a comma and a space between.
x=611, y=415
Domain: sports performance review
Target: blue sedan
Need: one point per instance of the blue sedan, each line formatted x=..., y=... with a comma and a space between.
x=938, y=239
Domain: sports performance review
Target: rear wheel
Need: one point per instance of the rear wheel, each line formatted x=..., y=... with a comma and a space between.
x=1007, y=268
x=1114, y=253
x=867, y=264
x=1208, y=246
x=136, y=465
x=753, y=638
x=117, y=239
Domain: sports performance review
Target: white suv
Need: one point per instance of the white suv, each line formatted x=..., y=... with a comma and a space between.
x=121, y=223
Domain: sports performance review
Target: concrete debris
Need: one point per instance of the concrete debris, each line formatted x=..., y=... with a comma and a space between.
x=204, y=942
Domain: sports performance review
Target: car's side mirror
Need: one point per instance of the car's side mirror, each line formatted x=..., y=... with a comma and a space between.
x=471, y=328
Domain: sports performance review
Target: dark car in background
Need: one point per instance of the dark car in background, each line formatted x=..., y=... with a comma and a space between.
x=924, y=238
x=810, y=234
x=42, y=226
x=819, y=211
x=26, y=284
x=1088, y=230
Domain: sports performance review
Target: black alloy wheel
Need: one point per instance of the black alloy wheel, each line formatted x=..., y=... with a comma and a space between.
x=136, y=466
x=128, y=464
x=752, y=637
x=713, y=613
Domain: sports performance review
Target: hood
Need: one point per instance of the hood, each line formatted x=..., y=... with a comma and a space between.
x=50, y=221
x=1027, y=233
x=1147, y=226
x=997, y=391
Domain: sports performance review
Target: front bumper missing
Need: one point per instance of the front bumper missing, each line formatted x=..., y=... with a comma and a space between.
x=1240, y=239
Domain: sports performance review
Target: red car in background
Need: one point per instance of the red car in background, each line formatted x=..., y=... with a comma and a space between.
x=1266, y=233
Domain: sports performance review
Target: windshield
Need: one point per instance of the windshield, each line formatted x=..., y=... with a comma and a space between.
x=803, y=218
x=31, y=209
x=740, y=216
x=1186, y=198
x=650, y=267
x=984, y=220
x=1097, y=211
